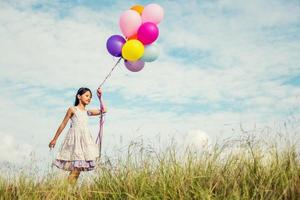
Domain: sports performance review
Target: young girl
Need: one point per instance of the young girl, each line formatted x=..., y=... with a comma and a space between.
x=78, y=151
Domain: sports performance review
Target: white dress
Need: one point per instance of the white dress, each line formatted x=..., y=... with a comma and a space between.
x=78, y=150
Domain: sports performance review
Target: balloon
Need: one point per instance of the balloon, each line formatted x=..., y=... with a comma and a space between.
x=153, y=13
x=132, y=37
x=132, y=50
x=151, y=53
x=114, y=45
x=134, y=66
x=129, y=22
x=138, y=8
x=148, y=33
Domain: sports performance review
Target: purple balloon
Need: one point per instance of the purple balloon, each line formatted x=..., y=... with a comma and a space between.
x=114, y=45
x=147, y=33
x=134, y=66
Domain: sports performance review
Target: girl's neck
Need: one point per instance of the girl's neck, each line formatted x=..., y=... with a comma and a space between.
x=80, y=106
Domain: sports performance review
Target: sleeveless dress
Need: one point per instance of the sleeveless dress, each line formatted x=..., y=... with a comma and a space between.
x=78, y=150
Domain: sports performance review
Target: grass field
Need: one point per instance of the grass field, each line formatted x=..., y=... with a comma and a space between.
x=246, y=168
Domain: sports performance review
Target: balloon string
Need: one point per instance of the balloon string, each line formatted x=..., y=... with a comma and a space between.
x=100, y=134
x=101, y=122
x=110, y=72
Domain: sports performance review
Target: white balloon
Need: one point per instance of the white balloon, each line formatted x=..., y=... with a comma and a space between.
x=151, y=53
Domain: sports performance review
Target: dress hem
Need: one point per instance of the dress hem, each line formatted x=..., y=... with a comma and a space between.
x=70, y=165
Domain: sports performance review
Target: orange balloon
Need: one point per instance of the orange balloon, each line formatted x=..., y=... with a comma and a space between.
x=138, y=8
x=133, y=37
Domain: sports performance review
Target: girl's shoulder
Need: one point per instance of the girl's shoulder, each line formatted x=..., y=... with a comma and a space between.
x=72, y=109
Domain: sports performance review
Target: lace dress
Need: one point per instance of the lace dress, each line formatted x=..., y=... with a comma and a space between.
x=78, y=150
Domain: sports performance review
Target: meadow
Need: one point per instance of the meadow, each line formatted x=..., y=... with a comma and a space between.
x=242, y=168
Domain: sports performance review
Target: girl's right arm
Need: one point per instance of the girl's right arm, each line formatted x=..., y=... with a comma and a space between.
x=63, y=124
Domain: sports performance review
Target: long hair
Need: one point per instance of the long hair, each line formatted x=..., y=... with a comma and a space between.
x=81, y=91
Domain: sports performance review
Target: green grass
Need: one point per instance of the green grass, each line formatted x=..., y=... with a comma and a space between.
x=237, y=169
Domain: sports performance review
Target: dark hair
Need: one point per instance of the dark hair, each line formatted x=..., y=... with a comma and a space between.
x=81, y=91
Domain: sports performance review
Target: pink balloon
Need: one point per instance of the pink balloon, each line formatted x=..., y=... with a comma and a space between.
x=129, y=22
x=134, y=66
x=153, y=13
x=147, y=33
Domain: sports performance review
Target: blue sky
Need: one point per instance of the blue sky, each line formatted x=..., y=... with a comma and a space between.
x=221, y=64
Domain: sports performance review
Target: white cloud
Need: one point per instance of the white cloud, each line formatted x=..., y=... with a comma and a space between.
x=197, y=139
x=13, y=150
x=73, y=50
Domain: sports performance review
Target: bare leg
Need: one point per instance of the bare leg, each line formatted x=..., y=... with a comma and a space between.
x=73, y=176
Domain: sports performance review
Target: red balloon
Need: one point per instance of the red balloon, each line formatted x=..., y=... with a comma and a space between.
x=148, y=33
x=133, y=37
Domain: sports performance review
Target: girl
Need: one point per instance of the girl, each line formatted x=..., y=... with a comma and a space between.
x=78, y=151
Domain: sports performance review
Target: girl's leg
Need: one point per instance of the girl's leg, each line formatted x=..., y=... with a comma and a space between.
x=73, y=176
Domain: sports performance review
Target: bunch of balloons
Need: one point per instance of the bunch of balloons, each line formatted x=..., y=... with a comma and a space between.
x=139, y=26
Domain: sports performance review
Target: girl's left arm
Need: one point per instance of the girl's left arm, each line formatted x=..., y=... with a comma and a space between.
x=94, y=112
x=102, y=109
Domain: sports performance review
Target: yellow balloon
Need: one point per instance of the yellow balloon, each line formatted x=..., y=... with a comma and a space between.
x=138, y=8
x=132, y=50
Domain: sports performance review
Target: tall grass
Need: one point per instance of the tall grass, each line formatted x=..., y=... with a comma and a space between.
x=235, y=169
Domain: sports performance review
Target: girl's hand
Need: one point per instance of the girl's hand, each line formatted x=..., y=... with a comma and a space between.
x=103, y=110
x=99, y=92
x=52, y=143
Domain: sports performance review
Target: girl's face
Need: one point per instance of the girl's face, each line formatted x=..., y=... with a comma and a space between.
x=85, y=97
